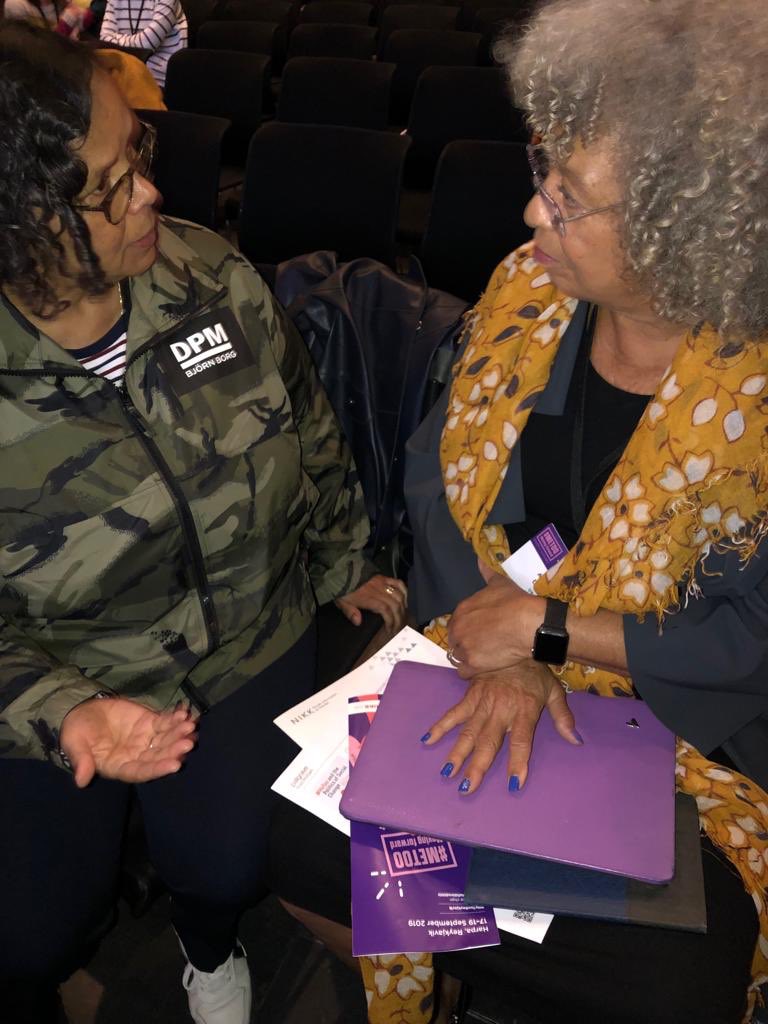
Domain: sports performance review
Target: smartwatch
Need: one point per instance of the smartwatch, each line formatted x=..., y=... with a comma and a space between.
x=550, y=643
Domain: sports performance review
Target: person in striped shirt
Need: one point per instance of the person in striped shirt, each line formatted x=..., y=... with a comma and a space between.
x=156, y=25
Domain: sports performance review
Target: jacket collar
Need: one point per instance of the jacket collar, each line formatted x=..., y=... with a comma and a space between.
x=174, y=287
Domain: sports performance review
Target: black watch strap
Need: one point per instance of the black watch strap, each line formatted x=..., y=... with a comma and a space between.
x=555, y=614
x=550, y=644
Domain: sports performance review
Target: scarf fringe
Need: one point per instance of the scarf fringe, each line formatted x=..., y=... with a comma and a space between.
x=745, y=542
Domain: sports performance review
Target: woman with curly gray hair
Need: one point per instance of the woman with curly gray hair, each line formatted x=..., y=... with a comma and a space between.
x=613, y=384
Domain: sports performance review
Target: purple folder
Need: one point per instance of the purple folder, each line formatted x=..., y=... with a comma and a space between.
x=608, y=804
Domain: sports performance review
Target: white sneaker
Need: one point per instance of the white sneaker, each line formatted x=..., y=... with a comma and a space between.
x=224, y=995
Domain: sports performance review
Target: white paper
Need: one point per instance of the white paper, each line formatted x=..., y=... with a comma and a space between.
x=523, y=922
x=524, y=567
x=322, y=718
x=316, y=784
x=316, y=777
x=315, y=780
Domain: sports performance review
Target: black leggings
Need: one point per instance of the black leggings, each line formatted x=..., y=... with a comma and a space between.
x=206, y=829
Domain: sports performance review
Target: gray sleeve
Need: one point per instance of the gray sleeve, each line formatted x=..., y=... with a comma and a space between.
x=705, y=675
x=444, y=566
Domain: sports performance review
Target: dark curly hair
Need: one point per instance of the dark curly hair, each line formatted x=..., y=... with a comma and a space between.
x=45, y=111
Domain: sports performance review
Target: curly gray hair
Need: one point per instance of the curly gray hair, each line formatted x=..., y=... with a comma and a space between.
x=681, y=89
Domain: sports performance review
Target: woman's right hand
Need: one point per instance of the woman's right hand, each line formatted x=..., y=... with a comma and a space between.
x=496, y=704
x=123, y=740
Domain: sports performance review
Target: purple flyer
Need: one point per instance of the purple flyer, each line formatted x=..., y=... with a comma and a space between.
x=408, y=890
x=407, y=894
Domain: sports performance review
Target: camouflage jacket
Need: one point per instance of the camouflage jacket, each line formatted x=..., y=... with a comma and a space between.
x=170, y=537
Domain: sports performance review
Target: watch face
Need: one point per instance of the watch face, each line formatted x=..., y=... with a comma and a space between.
x=550, y=645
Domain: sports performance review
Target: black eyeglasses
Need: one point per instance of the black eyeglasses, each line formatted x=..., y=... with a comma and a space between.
x=539, y=162
x=116, y=202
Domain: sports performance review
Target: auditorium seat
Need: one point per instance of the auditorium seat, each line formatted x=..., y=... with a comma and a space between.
x=196, y=13
x=344, y=91
x=497, y=24
x=336, y=12
x=415, y=49
x=188, y=162
x=457, y=103
x=399, y=16
x=518, y=10
x=383, y=4
x=481, y=190
x=279, y=11
x=221, y=83
x=328, y=40
x=245, y=36
x=492, y=17
x=310, y=187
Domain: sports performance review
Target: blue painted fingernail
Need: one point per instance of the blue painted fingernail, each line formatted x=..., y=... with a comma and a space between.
x=464, y=787
x=447, y=769
x=425, y=737
x=576, y=733
x=514, y=784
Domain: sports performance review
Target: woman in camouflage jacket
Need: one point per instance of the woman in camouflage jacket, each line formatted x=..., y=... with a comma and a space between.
x=176, y=499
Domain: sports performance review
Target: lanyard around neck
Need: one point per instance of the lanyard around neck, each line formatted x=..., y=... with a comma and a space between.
x=135, y=28
x=579, y=381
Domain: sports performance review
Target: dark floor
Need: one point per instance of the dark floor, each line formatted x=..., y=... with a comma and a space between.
x=295, y=981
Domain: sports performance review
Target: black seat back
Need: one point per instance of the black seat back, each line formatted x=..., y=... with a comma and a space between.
x=458, y=103
x=245, y=36
x=398, y=16
x=343, y=91
x=337, y=12
x=188, y=162
x=481, y=190
x=310, y=187
x=279, y=11
x=221, y=83
x=415, y=49
x=329, y=40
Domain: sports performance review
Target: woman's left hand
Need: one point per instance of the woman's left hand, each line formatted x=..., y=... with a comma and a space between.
x=496, y=705
x=385, y=595
x=487, y=631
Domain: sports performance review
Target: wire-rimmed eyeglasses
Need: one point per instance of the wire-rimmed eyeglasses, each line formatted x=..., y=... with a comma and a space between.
x=539, y=162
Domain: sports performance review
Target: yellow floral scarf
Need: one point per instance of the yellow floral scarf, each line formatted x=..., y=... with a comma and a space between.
x=693, y=476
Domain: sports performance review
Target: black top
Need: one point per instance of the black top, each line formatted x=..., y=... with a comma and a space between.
x=609, y=418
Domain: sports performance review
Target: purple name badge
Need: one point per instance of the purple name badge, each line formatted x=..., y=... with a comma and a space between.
x=549, y=545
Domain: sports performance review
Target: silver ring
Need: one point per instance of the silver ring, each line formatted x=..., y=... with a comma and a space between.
x=389, y=590
x=453, y=659
x=151, y=745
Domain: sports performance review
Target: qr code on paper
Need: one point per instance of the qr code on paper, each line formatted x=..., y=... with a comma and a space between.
x=524, y=915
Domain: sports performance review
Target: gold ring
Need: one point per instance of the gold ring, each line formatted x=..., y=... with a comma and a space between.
x=452, y=658
x=389, y=590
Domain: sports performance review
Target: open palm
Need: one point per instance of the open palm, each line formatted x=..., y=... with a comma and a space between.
x=121, y=739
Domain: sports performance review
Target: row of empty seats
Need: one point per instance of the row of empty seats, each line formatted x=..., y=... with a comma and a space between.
x=311, y=187
x=449, y=102
x=410, y=51
x=286, y=11
x=328, y=166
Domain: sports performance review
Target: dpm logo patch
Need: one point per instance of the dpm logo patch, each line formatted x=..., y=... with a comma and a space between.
x=209, y=348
